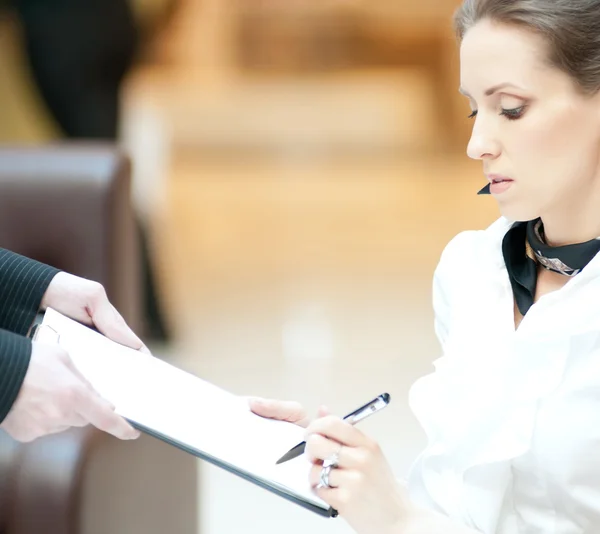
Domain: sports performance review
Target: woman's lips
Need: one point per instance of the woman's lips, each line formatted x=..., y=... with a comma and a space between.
x=498, y=183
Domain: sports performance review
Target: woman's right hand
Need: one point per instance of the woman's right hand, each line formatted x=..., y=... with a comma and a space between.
x=290, y=411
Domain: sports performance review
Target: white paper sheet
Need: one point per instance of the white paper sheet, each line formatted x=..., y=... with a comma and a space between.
x=183, y=407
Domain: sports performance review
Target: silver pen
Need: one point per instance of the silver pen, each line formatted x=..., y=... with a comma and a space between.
x=371, y=407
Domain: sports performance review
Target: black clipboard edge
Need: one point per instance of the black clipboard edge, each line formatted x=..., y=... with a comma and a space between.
x=329, y=513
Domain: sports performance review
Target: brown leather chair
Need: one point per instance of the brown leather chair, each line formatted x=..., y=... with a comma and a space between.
x=69, y=206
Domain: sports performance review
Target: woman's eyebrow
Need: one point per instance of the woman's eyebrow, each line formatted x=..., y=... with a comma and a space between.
x=493, y=89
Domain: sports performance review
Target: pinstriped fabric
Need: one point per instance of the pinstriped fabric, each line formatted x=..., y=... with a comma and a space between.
x=15, y=353
x=23, y=283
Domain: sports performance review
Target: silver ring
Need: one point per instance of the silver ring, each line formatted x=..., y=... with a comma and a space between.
x=328, y=464
x=332, y=461
x=324, y=478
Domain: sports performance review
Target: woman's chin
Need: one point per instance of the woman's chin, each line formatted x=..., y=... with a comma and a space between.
x=513, y=212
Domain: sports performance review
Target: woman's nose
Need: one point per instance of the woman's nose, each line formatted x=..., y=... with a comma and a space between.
x=482, y=145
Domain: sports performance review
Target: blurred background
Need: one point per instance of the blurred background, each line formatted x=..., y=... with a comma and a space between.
x=298, y=167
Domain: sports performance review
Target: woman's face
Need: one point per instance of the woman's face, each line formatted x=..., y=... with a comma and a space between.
x=532, y=125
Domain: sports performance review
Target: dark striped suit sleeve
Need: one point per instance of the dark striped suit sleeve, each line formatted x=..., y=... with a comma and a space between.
x=15, y=353
x=23, y=283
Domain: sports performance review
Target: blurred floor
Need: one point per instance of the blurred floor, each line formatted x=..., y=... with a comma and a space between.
x=296, y=224
x=299, y=275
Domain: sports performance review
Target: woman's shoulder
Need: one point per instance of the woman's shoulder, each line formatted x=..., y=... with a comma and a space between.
x=467, y=264
x=471, y=253
x=473, y=246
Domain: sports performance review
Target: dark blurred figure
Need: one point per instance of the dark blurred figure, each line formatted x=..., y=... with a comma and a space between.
x=79, y=53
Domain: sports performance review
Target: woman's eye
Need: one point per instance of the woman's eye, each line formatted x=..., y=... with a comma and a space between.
x=473, y=114
x=513, y=114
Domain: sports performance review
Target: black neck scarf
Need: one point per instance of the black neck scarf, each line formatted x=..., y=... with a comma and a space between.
x=524, y=248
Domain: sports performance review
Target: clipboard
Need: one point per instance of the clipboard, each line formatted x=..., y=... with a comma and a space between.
x=129, y=380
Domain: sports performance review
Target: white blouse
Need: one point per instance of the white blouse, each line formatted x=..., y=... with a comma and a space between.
x=512, y=417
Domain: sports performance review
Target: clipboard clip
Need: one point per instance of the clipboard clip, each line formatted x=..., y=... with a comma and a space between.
x=36, y=330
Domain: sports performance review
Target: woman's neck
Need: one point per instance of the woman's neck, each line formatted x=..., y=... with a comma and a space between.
x=576, y=220
x=569, y=229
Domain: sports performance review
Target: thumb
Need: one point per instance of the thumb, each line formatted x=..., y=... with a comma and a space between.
x=110, y=322
x=323, y=411
x=292, y=412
